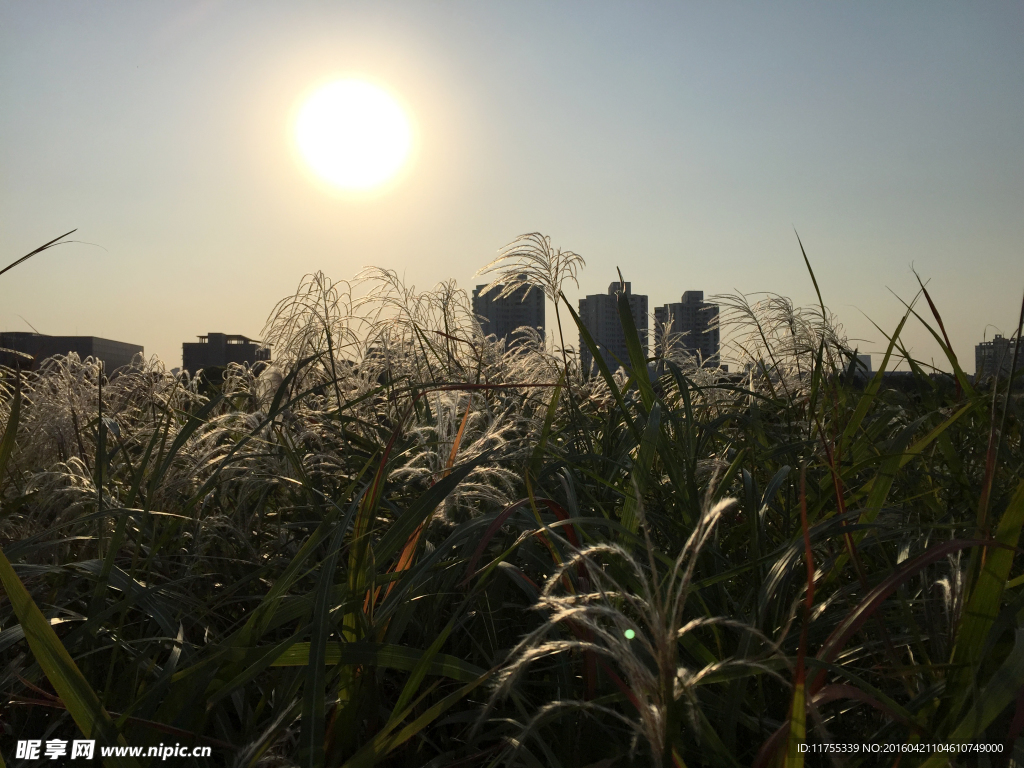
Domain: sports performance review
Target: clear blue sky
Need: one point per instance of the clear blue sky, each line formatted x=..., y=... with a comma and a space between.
x=681, y=142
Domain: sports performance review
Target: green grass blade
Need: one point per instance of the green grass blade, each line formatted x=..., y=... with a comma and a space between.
x=814, y=280
x=984, y=602
x=10, y=432
x=637, y=359
x=51, y=655
x=384, y=743
x=412, y=685
x=60, y=669
x=958, y=372
x=797, y=728
x=871, y=391
x=314, y=693
x=637, y=480
x=388, y=656
x=1000, y=692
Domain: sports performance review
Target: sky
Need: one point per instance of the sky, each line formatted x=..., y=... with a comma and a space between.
x=684, y=143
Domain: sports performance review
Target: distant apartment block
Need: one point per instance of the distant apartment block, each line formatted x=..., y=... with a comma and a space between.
x=993, y=356
x=215, y=350
x=692, y=325
x=523, y=307
x=600, y=314
x=113, y=354
x=865, y=361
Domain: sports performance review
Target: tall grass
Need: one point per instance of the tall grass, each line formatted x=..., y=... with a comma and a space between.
x=408, y=544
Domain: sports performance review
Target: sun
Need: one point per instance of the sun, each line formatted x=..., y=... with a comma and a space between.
x=353, y=134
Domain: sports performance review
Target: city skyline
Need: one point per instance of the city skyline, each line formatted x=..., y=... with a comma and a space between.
x=692, y=321
x=681, y=144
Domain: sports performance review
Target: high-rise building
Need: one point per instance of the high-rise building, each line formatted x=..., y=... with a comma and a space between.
x=992, y=356
x=502, y=317
x=113, y=354
x=600, y=314
x=690, y=325
x=215, y=350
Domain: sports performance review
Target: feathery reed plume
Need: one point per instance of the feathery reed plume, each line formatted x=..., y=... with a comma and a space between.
x=200, y=549
x=779, y=340
x=530, y=259
x=636, y=625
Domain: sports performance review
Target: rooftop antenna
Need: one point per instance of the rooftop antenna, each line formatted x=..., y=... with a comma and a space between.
x=29, y=325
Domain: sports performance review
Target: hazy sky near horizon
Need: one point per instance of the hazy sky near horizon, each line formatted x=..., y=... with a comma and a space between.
x=680, y=142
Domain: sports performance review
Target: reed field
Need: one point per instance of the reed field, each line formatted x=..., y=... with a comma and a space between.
x=406, y=544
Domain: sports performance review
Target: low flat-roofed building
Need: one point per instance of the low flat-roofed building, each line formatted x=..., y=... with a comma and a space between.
x=215, y=350
x=113, y=354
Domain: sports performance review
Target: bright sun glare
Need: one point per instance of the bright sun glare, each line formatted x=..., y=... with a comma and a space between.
x=353, y=134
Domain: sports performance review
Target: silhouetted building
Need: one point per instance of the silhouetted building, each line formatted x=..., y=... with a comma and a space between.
x=215, y=350
x=600, y=314
x=865, y=361
x=113, y=354
x=523, y=307
x=993, y=356
x=691, y=325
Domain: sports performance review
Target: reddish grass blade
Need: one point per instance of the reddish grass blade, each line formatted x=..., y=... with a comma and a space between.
x=867, y=607
x=499, y=521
